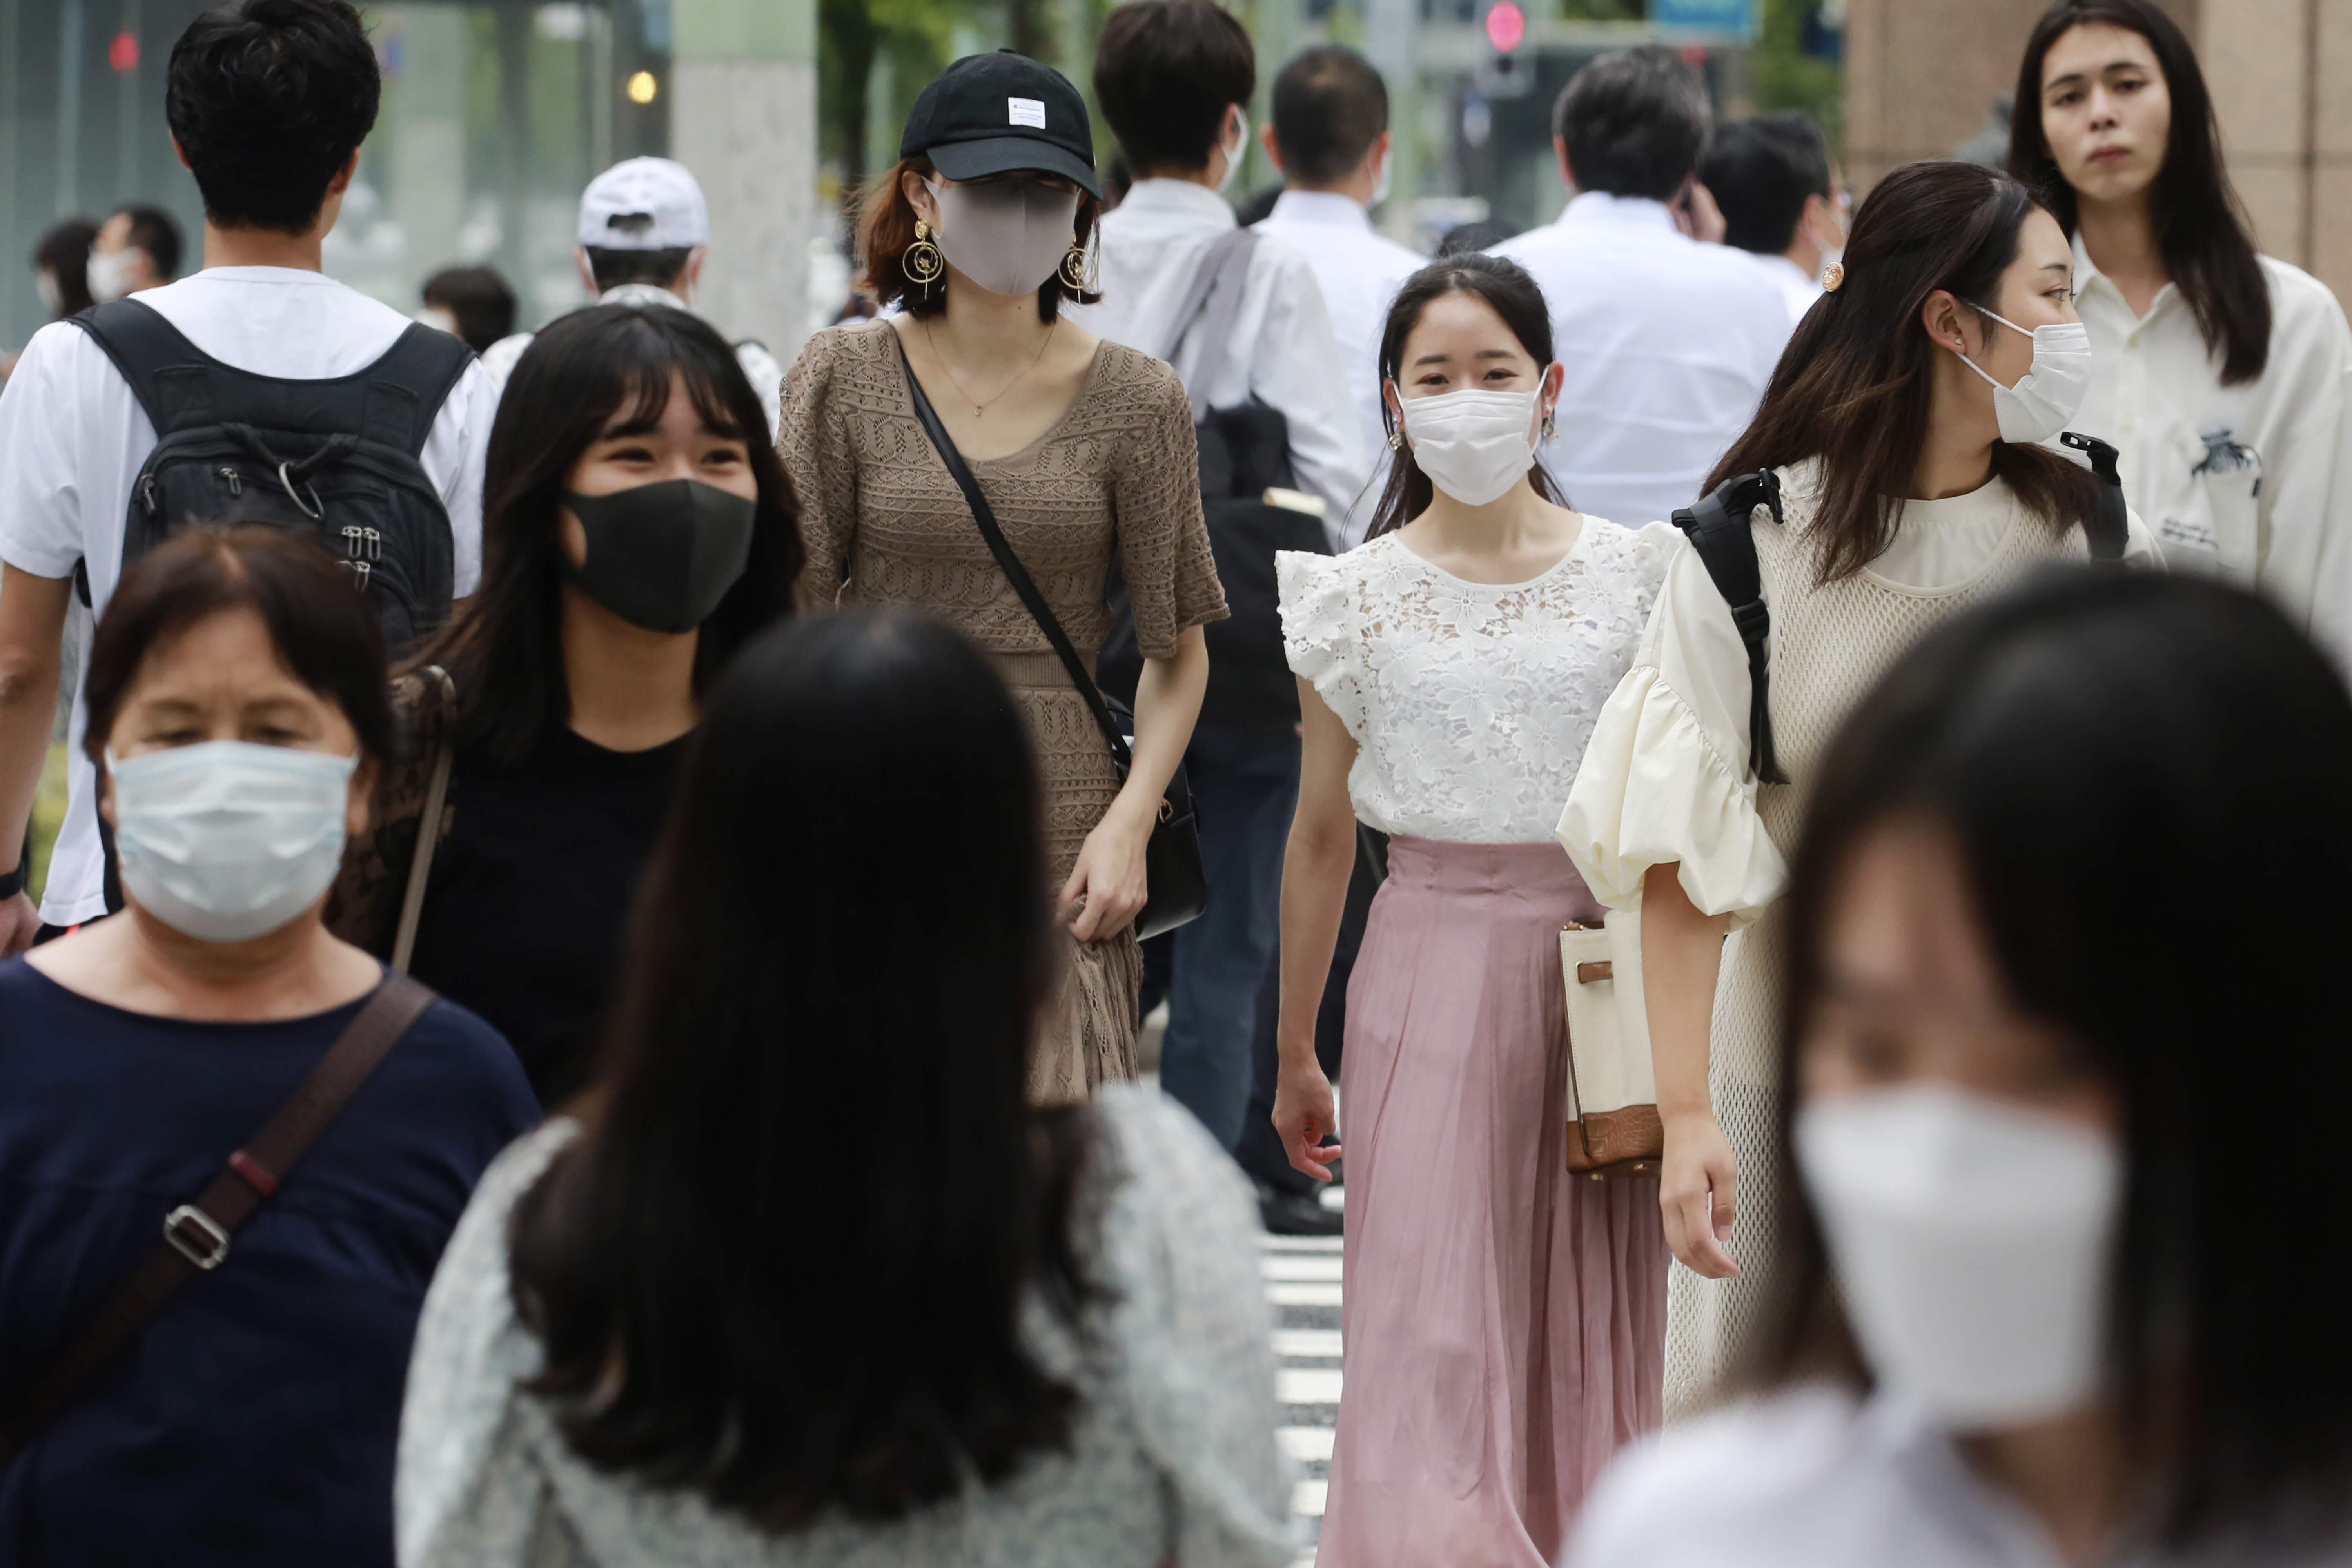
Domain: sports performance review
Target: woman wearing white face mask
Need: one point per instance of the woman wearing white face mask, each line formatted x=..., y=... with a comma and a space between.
x=2059, y=1332
x=1504, y=1316
x=1083, y=450
x=236, y=710
x=1904, y=425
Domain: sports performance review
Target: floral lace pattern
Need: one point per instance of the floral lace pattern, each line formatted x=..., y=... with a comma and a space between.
x=1471, y=703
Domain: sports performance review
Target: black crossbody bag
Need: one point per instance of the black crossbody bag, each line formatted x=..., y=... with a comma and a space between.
x=1176, y=880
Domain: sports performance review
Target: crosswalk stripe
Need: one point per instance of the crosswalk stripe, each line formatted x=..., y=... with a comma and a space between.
x=1303, y=1295
x=1307, y=1445
x=1295, y=1342
x=1306, y=1385
x=1306, y=1498
x=1296, y=1266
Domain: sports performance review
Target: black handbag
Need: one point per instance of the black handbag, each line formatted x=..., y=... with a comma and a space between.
x=1176, y=880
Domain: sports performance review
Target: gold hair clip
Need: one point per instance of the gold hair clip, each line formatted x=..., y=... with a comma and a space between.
x=1831, y=276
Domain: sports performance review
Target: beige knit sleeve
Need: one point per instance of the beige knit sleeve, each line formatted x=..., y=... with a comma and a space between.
x=1163, y=541
x=812, y=439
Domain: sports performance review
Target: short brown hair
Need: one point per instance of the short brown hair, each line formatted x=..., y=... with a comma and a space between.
x=885, y=227
x=1165, y=73
x=325, y=630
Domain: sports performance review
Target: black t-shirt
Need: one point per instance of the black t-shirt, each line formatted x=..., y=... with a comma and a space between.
x=252, y=1424
x=531, y=893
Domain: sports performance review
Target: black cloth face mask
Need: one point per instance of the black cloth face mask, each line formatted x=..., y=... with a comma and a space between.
x=661, y=556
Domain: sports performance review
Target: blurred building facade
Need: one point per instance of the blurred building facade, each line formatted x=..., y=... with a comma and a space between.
x=496, y=113
x=1922, y=77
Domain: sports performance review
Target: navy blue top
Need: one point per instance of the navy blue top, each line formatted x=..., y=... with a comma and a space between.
x=254, y=1420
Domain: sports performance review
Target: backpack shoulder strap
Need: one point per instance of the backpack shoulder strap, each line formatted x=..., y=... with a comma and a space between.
x=408, y=386
x=143, y=346
x=2108, y=528
x=1721, y=529
x=1211, y=301
x=196, y=1235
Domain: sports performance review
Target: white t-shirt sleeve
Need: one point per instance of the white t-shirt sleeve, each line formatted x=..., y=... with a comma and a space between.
x=453, y=458
x=41, y=449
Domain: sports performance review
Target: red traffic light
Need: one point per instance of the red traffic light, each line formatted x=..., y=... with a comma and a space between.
x=123, y=52
x=1507, y=25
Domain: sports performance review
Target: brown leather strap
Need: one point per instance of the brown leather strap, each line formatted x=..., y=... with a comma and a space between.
x=196, y=1235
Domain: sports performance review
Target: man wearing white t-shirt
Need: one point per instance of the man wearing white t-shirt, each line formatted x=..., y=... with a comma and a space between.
x=1330, y=140
x=1668, y=341
x=1770, y=176
x=268, y=102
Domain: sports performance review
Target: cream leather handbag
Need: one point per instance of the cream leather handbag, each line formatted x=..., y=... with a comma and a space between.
x=1612, y=1088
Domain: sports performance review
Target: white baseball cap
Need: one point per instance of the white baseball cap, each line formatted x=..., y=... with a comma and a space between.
x=643, y=204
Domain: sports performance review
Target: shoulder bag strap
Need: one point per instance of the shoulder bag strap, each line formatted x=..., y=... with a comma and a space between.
x=196, y=1235
x=1213, y=302
x=428, y=828
x=2107, y=530
x=1039, y=611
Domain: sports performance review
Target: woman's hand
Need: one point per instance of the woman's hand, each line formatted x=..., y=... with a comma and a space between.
x=1107, y=889
x=1304, y=1117
x=1696, y=1190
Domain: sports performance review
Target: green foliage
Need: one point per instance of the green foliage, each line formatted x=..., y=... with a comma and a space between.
x=1787, y=77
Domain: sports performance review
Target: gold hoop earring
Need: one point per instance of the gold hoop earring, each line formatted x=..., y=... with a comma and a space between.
x=1551, y=431
x=1075, y=272
x=1396, y=442
x=922, y=262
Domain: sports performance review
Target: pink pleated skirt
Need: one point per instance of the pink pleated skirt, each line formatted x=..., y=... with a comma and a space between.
x=1504, y=1317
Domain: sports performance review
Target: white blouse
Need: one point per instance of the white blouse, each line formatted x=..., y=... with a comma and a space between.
x=1471, y=703
x=1665, y=778
x=1816, y=1479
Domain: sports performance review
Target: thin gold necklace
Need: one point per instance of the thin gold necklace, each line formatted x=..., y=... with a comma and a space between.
x=979, y=409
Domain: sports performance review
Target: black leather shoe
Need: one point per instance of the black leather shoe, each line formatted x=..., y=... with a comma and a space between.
x=1295, y=1213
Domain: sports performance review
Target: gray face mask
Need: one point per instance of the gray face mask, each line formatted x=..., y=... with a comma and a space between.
x=661, y=556
x=1007, y=235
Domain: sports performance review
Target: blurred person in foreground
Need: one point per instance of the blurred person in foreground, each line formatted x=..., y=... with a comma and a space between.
x=469, y=302
x=236, y=693
x=676, y=1328
x=1781, y=200
x=136, y=250
x=2065, y=1327
x=61, y=268
x=638, y=531
x=1668, y=341
x=645, y=232
x=1330, y=142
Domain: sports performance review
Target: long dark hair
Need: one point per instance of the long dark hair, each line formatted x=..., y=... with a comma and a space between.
x=1854, y=386
x=2091, y=743
x=505, y=649
x=2201, y=226
x=1518, y=300
x=785, y=1264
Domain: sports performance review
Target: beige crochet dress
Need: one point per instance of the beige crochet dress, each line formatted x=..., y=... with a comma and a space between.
x=1117, y=475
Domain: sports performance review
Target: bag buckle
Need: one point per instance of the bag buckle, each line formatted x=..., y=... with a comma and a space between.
x=196, y=1235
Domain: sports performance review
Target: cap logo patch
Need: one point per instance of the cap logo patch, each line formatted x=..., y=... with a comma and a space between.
x=1029, y=112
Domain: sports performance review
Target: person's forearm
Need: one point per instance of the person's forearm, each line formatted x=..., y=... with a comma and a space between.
x=1167, y=703
x=29, y=711
x=1681, y=954
x=1316, y=867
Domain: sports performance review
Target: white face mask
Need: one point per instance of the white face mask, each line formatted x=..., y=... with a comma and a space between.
x=1235, y=146
x=2048, y=393
x=1387, y=177
x=110, y=275
x=227, y=840
x=1971, y=1239
x=1007, y=235
x=45, y=284
x=438, y=319
x=1473, y=446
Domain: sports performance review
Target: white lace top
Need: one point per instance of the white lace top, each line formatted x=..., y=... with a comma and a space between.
x=1471, y=703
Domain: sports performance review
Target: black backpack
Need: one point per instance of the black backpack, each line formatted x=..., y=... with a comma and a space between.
x=1720, y=529
x=334, y=460
x=1244, y=452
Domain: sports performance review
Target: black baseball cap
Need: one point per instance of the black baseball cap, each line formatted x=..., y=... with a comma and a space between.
x=1003, y=114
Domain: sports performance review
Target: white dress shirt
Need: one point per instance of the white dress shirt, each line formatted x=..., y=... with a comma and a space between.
x=1816, y=1479
x=761, y=368
x=1798, y=288
x=2281, y=520
x=1360, y=272
x=1283, y=351
x=1668, y=344
x=73, y=439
